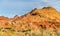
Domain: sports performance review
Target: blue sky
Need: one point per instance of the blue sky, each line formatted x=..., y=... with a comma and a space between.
x=10, y=8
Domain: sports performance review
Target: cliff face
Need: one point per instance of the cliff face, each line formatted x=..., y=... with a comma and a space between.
x=46, y=18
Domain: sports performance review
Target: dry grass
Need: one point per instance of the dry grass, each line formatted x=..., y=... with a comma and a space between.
x=39, y=32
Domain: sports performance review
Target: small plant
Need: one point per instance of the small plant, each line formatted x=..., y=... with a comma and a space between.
x=6, y=23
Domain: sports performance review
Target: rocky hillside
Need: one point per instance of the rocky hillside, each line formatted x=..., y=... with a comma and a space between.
x=46, y=18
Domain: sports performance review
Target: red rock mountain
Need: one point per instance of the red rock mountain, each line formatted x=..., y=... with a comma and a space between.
x=46, y=18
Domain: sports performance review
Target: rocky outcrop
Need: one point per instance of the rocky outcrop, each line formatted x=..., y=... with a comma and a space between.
x=46, y=18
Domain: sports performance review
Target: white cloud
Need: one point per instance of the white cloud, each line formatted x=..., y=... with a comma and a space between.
x=46, y=0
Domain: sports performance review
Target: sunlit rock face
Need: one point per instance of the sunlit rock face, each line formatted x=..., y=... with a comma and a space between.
x=46, y=18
